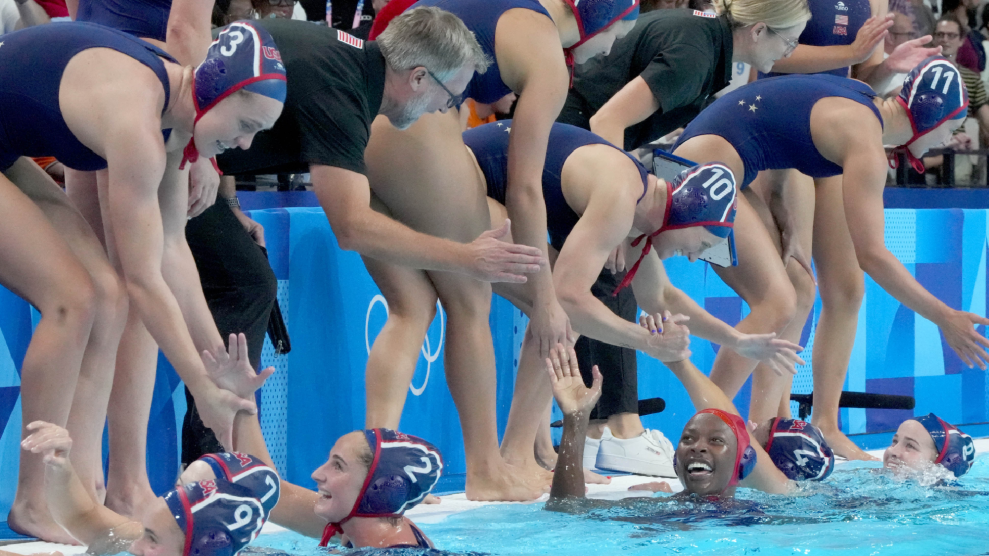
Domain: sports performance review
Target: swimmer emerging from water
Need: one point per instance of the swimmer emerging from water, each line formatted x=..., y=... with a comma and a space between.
x=923, y=442
x=714, y=454
x=218, y=506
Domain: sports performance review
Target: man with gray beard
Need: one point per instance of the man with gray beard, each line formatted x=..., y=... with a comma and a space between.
x=337, y=85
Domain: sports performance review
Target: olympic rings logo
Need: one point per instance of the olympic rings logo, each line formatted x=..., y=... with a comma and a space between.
x=427, y=350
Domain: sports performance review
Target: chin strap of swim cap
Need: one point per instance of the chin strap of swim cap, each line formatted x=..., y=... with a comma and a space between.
x=588, y=29
x=403, y=471
x=243, y=56
x=705, y=197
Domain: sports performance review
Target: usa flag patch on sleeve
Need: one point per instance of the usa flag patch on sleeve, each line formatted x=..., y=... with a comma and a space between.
x=705, y=14
x=349, y=39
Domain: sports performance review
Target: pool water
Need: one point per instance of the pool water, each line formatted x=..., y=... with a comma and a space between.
x=860, y=510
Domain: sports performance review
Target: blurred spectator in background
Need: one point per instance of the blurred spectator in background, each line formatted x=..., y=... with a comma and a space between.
x=949, y=36
x=971, y=54
x=228, y=11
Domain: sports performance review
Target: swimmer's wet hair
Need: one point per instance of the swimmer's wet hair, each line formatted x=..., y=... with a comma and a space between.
x=432, y=38
x=778, y=14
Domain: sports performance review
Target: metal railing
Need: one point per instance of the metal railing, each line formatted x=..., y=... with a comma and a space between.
x=946, y=175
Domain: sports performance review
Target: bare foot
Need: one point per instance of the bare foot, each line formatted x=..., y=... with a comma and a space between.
x=657, y=486
x=505, y=483
x=592, y=478
x=430, y=499
x=844, y=447
x=38, y=523
x=546, y=460
x=129, y=502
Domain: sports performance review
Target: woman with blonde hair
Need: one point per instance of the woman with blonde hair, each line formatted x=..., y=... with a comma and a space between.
x=654, y=81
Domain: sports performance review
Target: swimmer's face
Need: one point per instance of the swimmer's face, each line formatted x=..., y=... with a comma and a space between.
x=912, y=448
x=769, y=45
x=600, y=44
x=162, y=536
x=234, y=122
x=689, y=242
x=427, y=95
x=340, y=479
x=706, y=455
x=196, y=471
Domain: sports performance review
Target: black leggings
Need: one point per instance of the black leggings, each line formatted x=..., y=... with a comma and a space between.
x=620, y=392
x=240, y=290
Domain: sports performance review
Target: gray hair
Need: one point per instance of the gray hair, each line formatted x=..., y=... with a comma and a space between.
x=432, y=38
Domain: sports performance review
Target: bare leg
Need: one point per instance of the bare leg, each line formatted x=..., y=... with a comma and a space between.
x=128, y=487
x=545, y=454
x=40, y=267
x=842, y=286
x=88, y=414
x=392, y=361
x=762, y=282
x=532, y=396
x=428, y=181
x=769, y=390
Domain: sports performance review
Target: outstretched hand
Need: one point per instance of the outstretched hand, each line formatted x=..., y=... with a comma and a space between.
x=494, y=260
x=218, y=408
x=908, y=55
x=50, y=440
x=231, y=368
x=959, y=331
x=869, y=37
x=779, y=354
x=571, y=394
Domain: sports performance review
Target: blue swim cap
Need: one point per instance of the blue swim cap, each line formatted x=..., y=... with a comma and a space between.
x=704, y=195
x=404, y=470
x=219, y=518
x=594, y=16
x=798, y=449
x=956, y=450
x=932, y=93
x=249, y=471
x=243, y=56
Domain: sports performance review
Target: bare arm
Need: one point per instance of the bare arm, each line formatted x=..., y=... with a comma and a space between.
x=705, y=394
x=815, y=59
x=295, y=505
x=188, y=35
x=532, y=64
x=136, y=163
x=346, y=196
x=70, y=504
x=632, y=104
x=863, y=182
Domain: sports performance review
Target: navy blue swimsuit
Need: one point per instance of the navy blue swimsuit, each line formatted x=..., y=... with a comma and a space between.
x=833, y=23
x=489, y=143
x=32, y=61
x=481, y=17
x=768, y=122
x=145, y=19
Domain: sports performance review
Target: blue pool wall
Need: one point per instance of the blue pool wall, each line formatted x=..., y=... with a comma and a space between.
x=334, y=312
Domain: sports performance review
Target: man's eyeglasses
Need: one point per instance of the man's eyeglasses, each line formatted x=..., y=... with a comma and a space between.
x=941, y=35
x=454, y=100
x=791, y=44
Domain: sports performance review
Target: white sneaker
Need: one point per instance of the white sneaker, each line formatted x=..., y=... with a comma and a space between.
x=591, y=451
x=650, y=453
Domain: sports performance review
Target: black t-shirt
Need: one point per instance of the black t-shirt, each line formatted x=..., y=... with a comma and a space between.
x=335, y=86
x=684, y=56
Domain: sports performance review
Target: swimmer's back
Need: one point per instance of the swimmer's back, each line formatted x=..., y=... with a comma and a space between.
x=489, y=144
x=32, y=62
x=146, y=19
x=768, y=122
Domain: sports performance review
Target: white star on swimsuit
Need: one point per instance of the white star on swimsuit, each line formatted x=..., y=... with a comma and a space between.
x=752, y=108
x=759, y=97
x=741, y=103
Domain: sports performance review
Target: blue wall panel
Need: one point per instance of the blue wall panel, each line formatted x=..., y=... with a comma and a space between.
x=336, y=313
